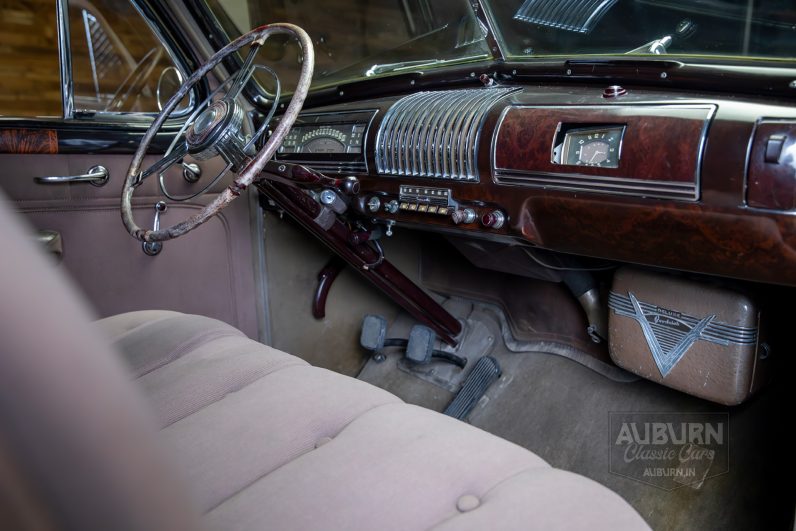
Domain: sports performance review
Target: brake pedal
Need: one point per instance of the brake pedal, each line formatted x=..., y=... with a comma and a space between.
x=373, y=335
x=485, y=373
x=421, y=344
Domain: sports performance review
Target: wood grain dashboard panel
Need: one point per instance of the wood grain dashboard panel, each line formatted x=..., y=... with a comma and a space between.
x=660, y=152
x=41, y=141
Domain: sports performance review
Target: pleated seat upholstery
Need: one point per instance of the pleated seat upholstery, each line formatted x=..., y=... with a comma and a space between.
x=264, y=439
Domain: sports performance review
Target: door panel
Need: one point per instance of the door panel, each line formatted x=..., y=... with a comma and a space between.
x=209, y=271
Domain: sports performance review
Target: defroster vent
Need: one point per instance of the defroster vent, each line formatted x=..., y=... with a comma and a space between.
x=434, y=134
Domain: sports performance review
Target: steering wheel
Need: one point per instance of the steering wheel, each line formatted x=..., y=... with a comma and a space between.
x=217, y=131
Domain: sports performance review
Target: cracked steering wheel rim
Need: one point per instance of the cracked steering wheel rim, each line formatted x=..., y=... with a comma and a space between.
x=253, y=167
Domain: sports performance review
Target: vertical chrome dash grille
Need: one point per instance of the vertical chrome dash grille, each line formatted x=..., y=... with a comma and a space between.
x=434, y=134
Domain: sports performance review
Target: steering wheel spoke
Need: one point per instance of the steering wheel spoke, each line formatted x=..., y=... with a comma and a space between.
x=244, y=74
x=166, y=162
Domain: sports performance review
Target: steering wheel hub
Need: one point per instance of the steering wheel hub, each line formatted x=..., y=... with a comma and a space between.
x=205, y=121
x=217, y=131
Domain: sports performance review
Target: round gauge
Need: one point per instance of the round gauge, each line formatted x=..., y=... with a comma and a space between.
x=594, y=152
x=593, y=147
x=324, y=145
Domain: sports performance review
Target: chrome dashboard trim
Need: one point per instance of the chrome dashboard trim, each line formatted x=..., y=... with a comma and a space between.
x=434, y=134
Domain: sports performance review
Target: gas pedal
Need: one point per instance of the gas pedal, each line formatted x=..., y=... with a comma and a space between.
x=485, y=373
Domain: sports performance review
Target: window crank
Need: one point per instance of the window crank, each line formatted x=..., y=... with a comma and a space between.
x=154, y=248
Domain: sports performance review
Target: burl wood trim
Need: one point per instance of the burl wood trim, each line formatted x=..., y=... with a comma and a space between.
x=39, y=141
x=661, y=143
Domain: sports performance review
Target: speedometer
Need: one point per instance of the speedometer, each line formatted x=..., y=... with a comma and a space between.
x=323, y=145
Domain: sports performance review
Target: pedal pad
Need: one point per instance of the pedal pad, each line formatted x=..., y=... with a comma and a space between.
x=421, y=344
x=374, y=332
x=485, y=373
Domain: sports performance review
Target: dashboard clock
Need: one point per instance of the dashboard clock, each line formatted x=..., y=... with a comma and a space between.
x=594, y=146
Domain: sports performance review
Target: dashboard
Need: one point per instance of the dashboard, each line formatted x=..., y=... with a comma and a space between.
x=670, y=179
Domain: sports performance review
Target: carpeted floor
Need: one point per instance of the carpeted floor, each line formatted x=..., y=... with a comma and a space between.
x=559, y=408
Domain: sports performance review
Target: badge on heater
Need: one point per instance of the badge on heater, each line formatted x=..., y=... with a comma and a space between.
x=670, y=333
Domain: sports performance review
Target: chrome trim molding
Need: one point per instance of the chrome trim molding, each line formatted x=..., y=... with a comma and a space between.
x=434, y=134
x=65, y=58
x=606, y=185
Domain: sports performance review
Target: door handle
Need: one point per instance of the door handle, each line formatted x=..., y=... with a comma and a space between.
x=96, y=175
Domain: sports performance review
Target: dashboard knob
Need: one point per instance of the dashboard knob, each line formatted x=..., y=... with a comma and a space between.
x=493, y=220
x=466, y=215
x=391, y=207
x=374, y=204
x=327, y=197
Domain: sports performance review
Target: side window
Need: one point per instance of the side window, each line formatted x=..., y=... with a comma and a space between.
x=117, y=61
x=30, y=80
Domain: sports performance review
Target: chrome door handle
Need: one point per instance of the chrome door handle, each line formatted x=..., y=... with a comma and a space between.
x=96, y=175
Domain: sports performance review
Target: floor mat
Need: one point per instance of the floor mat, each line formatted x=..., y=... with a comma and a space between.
x=559, y=409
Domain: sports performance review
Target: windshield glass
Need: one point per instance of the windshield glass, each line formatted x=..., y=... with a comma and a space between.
x=708, y=28
x=356, y=39
x=359, y=39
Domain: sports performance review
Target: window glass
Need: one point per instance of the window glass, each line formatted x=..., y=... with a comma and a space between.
x=117, y=61
x=29, y=74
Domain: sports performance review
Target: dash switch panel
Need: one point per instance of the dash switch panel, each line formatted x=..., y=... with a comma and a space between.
x=771, y=176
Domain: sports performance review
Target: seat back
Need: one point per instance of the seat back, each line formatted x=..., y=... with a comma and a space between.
x=77, y=448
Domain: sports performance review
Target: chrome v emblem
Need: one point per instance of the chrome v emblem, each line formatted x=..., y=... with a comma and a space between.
x=667, y=359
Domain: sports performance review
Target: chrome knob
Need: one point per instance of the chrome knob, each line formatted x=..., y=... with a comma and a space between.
x=191, y=172
x=374, y=204
x=391, y=207
x=493, y=220
x=327, y=197
x=466, y=215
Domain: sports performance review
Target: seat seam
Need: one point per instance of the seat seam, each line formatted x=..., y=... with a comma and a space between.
x=265, y=474
x=187, y=346
x=145, y=324
x=286, y=365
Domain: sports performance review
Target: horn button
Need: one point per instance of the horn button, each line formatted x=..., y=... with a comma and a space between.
x=217, y=131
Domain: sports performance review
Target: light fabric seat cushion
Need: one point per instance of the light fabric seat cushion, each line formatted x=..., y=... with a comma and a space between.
x=266, y=441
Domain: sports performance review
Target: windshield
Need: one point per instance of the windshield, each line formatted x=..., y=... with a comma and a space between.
x=707, y=28
x=356, y=39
